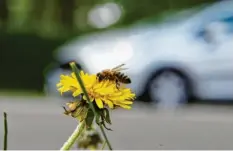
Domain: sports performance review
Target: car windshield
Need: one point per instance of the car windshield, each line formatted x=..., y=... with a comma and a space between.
x=215, y=12
x=171, y=16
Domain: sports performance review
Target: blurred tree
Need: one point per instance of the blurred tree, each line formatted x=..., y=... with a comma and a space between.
x=136, y=10
x=148, y=8
x=37, y=11
x=29, y=55
x=4, y=13
x=67, y=13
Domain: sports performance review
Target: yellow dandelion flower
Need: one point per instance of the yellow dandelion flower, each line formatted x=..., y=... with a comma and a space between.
x=103, y=93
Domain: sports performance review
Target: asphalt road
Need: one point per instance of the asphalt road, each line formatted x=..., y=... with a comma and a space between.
x=38, y=124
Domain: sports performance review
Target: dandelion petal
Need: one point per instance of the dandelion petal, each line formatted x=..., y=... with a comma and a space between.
x=99, y=103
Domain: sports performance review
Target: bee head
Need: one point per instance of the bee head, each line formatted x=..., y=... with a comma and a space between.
x=100, y=76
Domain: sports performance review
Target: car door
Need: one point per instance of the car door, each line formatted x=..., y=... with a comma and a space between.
x=215, y=40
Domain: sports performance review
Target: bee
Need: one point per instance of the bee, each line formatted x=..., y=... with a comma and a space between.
x=115, y=75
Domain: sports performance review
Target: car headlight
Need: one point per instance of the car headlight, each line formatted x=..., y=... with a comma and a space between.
x=123, y=51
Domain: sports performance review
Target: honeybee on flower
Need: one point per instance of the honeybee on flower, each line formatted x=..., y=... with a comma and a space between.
x=114, y=75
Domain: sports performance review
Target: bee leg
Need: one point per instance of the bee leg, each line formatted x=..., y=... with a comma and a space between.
x=117, y=84
x=97, y=119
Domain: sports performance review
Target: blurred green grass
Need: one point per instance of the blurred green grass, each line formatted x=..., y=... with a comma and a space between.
x=24, y=93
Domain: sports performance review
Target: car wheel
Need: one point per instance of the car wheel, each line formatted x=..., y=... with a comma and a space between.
x=168, y=88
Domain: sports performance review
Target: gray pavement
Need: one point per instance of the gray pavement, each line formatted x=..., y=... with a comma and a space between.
x=38, y=124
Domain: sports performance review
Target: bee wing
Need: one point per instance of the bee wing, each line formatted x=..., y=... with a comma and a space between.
x=120, y=69
x=118, y=66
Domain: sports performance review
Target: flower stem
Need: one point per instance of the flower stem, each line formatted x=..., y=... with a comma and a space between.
x=69, y=143
x=105, y=137
x=104, y=144
x=5, y=131
x=76, y=72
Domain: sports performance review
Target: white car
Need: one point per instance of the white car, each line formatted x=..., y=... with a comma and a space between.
x=169, y=63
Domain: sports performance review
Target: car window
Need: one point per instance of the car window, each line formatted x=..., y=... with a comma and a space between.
x=218, y=12
x=229, y=22
x=224, y=25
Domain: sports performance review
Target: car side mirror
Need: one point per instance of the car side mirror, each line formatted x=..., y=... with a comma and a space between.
x=214, y=33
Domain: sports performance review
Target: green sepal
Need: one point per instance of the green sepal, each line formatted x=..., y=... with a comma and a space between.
x=83, y=114
x=78, y=112
x=107, y=116
x=89, y=118
x=97, y=119
x=103, y=123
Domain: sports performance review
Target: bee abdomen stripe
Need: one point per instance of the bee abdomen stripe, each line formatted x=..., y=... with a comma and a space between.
x=121, y=75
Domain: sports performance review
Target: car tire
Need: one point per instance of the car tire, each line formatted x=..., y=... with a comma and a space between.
x=168, y=87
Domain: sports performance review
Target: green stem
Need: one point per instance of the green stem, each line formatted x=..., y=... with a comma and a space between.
x=105, y=136
x=76, y=72
x=104, y=144
x=5, y=131
x=71, y=140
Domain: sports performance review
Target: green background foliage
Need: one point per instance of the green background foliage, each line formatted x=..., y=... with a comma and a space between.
x=30, y=30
